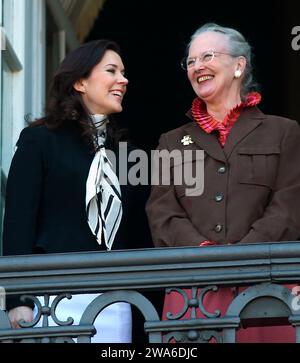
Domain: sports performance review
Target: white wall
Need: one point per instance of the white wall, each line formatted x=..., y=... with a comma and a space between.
x=23, y=85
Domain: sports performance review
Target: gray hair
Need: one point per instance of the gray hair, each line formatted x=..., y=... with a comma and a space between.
x=238, y=46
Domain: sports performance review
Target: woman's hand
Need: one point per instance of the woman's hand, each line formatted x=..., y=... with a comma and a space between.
x=20, y=313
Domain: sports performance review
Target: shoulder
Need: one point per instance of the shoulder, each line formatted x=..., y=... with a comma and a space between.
x=42, y=133
x=281, y=121
x=281, y=126
x=35, y=133
x=272, y=125
x=41, y=139
x=34, y=130
x=275, y=120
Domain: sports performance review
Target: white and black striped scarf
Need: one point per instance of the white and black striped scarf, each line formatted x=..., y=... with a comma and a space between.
x=103, y=193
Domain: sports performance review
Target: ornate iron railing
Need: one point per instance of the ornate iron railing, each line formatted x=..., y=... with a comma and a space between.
x=127, y=275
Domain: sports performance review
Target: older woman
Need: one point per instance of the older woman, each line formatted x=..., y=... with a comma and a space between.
x=251, y=162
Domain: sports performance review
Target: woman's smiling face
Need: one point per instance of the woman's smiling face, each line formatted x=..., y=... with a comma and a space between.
x=103, y=90
x=212, y=81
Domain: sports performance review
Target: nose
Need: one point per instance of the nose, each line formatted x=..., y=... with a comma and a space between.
x=123, y=80
x=198, y=64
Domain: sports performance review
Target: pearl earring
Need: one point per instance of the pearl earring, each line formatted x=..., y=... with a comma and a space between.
x=237, y=73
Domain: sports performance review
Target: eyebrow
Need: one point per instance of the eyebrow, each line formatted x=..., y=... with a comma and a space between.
x=114, y=65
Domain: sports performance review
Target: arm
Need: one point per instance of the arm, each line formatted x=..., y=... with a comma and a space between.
x=281, y=219
x=23, y=193
x=21, y=210
x=169, y=223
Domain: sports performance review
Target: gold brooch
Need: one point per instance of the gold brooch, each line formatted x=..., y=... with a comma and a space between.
x=187, y=140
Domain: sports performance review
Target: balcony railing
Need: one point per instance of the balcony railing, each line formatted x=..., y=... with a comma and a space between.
x=126, y=276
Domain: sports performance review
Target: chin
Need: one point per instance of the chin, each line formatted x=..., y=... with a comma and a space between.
x=206, y=96
x=118, y=109
x=115, y=109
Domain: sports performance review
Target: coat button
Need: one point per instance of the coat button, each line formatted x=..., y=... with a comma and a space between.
x=222, y=170
x=219, y=197
x=218, y=228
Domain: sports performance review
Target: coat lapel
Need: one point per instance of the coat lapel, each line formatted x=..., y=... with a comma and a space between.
x=248, y=121
x=207, y=142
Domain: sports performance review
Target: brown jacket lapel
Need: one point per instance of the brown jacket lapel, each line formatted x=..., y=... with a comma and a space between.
x=207, y=142
x=249, y=120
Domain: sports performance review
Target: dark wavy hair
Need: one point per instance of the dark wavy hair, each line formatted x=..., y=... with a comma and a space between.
x=65, y=105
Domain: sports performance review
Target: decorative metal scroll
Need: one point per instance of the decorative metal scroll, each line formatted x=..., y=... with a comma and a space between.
x=46, y=311
x=193, y=303
x=42, y=330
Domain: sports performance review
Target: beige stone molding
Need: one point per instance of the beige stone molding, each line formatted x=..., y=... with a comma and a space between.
x=82, y=14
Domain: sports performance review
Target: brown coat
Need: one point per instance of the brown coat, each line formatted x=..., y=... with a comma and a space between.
x=256, y=177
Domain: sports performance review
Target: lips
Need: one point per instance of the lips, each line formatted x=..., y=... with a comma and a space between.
x=204, y=78
x=118, y=93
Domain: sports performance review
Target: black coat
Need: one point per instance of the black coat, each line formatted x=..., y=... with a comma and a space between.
x=45, y=208
x=45, y=201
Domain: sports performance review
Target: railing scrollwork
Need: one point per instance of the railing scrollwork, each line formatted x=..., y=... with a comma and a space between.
x=258, y=273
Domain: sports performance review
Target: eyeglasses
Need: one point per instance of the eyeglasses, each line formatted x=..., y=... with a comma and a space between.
x=205, y=58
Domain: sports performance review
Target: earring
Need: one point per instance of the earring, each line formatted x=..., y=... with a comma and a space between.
x=237, y=73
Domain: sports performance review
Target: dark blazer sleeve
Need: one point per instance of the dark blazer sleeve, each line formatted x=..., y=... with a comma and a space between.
x=22, y=202
x=169, y=224
x=281, y=219
x=23, y=193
